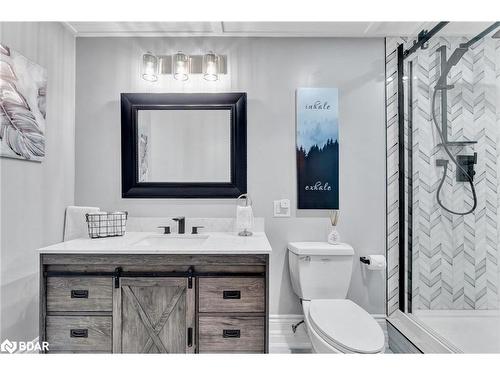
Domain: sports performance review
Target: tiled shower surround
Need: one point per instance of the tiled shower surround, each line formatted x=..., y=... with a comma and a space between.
x=454, y=258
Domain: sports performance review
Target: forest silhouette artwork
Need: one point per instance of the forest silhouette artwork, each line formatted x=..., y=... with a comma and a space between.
x=317, y=148
x=318, y=179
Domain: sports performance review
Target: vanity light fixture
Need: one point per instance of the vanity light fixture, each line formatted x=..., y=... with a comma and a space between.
x=180, y=66
x=211, y=66
x=149, y=67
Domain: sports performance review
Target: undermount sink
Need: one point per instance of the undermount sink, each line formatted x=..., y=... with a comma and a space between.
x=172, y=241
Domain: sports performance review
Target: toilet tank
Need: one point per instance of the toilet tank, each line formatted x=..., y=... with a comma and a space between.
x=319, y=270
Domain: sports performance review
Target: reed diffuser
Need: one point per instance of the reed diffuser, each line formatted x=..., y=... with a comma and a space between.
x=333, y=236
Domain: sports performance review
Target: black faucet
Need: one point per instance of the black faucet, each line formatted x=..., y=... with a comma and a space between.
x=181, y=220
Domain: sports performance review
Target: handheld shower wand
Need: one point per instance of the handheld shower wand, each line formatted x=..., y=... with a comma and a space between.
x=441, y=86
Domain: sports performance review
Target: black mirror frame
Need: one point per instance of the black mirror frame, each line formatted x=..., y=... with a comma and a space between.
x=132, y=102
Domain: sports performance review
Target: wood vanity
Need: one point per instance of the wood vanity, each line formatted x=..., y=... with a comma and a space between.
x=124, y=301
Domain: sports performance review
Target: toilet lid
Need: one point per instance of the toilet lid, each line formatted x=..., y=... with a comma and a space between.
x=345, y=325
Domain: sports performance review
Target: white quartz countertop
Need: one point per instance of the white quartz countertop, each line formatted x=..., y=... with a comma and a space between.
x=154, y=243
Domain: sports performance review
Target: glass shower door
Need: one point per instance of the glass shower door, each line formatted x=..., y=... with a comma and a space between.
x=452, y=259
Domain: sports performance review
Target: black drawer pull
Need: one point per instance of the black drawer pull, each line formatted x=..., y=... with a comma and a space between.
x=231, y=333
x=80, y=293
x=231, y=294
x=190, y=337
x=79, y=333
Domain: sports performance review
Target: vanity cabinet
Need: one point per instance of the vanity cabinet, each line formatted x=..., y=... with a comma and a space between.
x=155, y=303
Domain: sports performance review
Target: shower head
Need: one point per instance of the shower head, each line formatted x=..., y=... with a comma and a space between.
x=455, y=57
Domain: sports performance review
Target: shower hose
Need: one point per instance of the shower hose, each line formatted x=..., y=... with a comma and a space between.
x=454, y=160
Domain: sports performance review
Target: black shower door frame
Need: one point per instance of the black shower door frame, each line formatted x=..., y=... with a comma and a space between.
x=405, y=207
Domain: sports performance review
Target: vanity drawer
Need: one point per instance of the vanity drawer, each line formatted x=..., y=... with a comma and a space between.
x=79, y=333
x=79, y=294
x=222, y=334
x=232, y=294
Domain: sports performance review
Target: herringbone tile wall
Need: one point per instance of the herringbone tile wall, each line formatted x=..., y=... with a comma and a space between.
x=455, y=258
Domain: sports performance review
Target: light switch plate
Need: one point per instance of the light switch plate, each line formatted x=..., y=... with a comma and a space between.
x=282, y=208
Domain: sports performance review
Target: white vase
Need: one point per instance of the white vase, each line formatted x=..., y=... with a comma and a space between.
x=334, y=236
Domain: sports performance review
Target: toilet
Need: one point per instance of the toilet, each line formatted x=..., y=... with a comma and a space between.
x=320, y=275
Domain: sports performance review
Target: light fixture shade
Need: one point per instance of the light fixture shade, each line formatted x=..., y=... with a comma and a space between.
x=180, y=66
x=149, y=67
x=211, y=66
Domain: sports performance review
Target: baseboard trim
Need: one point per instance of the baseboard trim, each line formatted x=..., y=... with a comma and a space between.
x=281, y=337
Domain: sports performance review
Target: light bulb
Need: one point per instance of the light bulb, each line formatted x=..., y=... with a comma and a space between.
x=149, y=67
x=181, y=68
x=211, y=66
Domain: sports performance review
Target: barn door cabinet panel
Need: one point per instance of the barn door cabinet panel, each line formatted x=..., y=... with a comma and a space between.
x=112, y=303
x=153, y=315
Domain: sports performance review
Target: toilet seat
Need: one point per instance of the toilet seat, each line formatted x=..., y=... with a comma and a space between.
x=346, y=326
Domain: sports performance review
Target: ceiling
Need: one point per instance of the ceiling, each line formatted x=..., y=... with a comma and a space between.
x=269, y=29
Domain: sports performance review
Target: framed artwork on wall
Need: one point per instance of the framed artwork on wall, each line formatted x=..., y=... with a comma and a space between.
x=317, y=148
x=23, y=90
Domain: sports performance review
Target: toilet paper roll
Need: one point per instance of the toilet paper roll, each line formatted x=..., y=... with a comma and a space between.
x=377, y=262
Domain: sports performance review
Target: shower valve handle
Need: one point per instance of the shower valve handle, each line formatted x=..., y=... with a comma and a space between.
x=441, y=163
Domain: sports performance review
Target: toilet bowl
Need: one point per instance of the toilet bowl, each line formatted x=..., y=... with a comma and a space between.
x=341, y=326
x=320, y=275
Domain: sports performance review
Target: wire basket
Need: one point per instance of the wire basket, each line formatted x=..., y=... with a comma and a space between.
x=103, y=224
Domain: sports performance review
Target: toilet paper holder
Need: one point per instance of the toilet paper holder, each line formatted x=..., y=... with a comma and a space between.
x=374, y=262
x=364, y=260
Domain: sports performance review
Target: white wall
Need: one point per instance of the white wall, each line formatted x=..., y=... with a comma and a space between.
x=34, y=195
x=269, y=70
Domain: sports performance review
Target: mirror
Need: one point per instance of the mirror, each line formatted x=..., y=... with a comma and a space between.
x=183, y=145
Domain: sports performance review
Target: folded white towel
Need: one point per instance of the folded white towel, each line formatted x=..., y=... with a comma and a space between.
x=75, y=225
